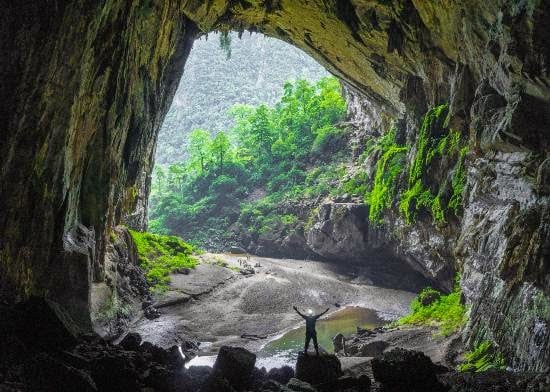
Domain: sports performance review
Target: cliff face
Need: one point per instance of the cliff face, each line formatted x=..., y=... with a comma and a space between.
x=84, y=92
x=85, y=87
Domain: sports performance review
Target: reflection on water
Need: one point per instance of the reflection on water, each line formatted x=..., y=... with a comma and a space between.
x=283, y=350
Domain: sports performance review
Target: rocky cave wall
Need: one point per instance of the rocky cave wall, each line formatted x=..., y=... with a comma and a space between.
x=85, y=86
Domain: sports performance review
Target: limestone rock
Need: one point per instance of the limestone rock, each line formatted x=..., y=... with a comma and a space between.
x=131, y=341
x=318, y=369
x=236, y=365
x=407, y=371
x=281, y=375
x=297, y=385
x=87, y=85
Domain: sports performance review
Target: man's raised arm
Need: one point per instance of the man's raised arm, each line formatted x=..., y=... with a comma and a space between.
x=319, y=315
x=297, y=311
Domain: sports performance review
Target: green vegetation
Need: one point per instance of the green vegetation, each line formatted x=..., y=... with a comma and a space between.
x=443, y=311
x=435, y=144
x=211, y=84
x=159, y=255
x=437, y=150
x=483, y=357
x=285, y=154
x=388, y=168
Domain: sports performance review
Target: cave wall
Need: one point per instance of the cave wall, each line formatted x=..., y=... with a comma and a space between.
x=85, y=86
x=84, y=90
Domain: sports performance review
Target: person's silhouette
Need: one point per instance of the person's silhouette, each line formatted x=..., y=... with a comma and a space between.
x=310, y=329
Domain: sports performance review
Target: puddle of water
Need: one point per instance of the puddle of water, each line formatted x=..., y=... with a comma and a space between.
x=283, y=349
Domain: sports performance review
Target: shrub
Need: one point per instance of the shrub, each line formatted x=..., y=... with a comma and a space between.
x=483, y=357
x=446, y=312
x=159, y=255
x=223, y=184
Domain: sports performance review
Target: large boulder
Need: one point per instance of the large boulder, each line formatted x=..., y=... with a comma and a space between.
x=131, y=341
x=235, y=364
x=47, y=374
x=403, y=370
x=373, y=349
x=338, y=341
x=324, y=369
x=237, y=250
x=282, y=374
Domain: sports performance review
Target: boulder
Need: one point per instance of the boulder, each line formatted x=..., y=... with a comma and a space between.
x=237, y=250
x=428, y=296
x=318, y=369
x=37, y=326
x=175, y=359
x=361, y=383
x=297, y=385
x=403, y=370
x=131, y=341
x=46, y=374
x=235, y=364
x=151, y=312
x=373, y=349
x=247, y=271
x=282, y=374
x=197, y=376
x=158, y=354
x=338, y=342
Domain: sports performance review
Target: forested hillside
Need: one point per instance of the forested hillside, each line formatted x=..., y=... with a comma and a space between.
x=212, y=83
x=256, y=177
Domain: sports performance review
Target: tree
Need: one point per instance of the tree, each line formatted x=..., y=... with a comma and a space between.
x=225, y=44
x=177, y=174
x=160, y=177
x=220, y=147
x=199, y=148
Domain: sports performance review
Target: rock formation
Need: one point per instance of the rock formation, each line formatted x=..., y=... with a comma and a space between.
x=85, y=86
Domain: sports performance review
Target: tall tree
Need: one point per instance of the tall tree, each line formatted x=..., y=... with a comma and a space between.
x=220, y=147
x=199, y=148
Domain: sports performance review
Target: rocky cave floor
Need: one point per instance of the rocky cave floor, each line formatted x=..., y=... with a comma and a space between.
x=221, y=304
x=39, y=354
x=49, y=358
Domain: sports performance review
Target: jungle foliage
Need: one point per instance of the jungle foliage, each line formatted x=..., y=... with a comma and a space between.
x=286, y=152
x=222, y=70
x=433, y=308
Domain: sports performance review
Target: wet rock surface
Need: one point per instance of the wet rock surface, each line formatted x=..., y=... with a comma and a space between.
x=90, y=363
x=375, y=343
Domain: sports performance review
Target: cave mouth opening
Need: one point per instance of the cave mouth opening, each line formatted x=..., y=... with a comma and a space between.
x=256, y=139
x=238, y=138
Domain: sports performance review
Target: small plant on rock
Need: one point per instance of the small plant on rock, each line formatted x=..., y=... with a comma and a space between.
x=483, y=357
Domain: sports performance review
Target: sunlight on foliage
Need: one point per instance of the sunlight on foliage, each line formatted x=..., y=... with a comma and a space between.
x=444, y=311
x=435, y=144
x=268, y=152
x=159, y=255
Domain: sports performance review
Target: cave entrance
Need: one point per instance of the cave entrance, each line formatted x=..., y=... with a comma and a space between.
x=255, y=142
x=251, y=121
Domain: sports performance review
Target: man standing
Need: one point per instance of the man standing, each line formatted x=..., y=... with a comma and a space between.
x=310, y=328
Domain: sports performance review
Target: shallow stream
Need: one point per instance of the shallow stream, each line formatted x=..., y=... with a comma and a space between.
x=283, y=349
